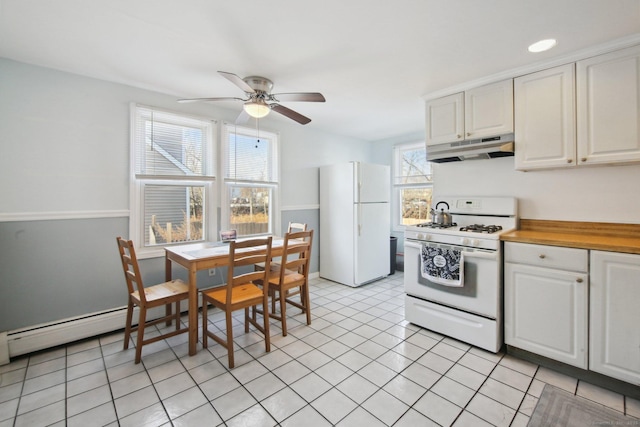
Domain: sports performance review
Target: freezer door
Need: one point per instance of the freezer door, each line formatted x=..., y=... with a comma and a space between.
x=372, y=242
x=372, y=183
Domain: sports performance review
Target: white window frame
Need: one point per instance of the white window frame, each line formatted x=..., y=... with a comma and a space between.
x=398, y=186
x=139, y=182
x=228, y=182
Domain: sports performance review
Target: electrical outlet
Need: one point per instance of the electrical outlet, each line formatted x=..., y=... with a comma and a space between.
x=212, y=272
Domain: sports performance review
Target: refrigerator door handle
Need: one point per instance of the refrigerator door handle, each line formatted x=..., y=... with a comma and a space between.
x=359, y=220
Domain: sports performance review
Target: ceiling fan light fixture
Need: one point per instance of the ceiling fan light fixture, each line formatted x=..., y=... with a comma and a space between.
x=256, y=109
x=542, y=45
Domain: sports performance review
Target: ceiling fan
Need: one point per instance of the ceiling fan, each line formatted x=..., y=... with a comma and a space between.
x=260, y=101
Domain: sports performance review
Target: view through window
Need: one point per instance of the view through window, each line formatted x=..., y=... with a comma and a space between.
x=413, y=184
x=251, y=180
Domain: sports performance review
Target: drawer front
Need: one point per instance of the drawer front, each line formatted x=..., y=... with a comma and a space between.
x=570, y=259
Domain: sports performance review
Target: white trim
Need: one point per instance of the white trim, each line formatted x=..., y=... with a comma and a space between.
x=4, y=349
x=62, y=215
x=300, y=207
x=532, y=68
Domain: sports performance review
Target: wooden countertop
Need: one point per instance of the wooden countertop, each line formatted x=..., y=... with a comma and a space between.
x=602, y=236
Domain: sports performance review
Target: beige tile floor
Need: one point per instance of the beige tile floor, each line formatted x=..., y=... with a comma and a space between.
x=358, y=364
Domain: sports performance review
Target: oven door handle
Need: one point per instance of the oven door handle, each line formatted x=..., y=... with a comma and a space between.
x=483, y=255
x=467, y=254
x=412, y=245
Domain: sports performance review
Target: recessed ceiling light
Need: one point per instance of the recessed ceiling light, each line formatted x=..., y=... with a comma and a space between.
x=542, y=45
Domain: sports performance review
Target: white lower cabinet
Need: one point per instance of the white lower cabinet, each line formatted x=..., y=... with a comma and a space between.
x=546, y=298
x=614, y=309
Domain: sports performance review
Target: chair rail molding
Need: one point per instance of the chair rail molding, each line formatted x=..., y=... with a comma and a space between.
x=62, y=215
x=299, y=207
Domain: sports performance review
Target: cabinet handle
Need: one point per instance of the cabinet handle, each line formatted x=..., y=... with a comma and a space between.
x=468, y=133
x=579, y=280
x=542, y=256
x=584, y=159
x=459, y=136
x=569, y=160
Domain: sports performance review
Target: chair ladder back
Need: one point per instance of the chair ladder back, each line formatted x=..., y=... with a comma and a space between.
x=131, y=269
x=239, y=259
x=303, y=251
x=296, y=226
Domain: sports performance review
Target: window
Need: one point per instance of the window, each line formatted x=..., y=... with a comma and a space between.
x=250, y=162
x=172, y=180
x=412, y=184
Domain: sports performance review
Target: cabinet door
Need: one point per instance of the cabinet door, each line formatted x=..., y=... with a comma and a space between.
x=546, y=312
x=545, y=120
x=445, y=119
x=608, y=99
x=614, y=311
x=488, y=110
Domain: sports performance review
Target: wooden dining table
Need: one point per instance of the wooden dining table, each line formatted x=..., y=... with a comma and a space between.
x=203, y=256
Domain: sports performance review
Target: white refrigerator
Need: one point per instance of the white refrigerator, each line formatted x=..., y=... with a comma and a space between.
x=354, y=223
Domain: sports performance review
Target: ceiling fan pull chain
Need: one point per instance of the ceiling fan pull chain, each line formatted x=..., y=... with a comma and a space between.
x=258, y=132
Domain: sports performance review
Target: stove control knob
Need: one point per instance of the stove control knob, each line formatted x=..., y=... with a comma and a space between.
x=475, y=242
x=420, y=236
x=464, y=241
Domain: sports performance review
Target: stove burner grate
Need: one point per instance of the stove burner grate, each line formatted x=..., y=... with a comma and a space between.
x=436, y=225
x=481, y=228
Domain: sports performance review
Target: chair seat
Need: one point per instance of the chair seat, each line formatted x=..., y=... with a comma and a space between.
x=241, y=293
x=292, y=278
x=159, y=293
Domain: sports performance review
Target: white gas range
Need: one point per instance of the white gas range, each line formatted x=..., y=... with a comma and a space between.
x=471, y=311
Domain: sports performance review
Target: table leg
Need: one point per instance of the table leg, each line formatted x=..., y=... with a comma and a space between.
x=167, y=278
x=193, y=312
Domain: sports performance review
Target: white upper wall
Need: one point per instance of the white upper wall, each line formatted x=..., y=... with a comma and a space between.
x=597, y=193
x=65, y=143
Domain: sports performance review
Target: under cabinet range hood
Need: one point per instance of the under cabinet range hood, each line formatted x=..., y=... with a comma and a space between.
x=472, y=149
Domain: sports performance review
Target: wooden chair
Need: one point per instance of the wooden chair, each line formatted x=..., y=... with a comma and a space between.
x=240, y=292
x=293, y=274
x=275, y=264
x=145, y=298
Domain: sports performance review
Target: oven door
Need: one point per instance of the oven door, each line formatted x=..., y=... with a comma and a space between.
x=482, y=290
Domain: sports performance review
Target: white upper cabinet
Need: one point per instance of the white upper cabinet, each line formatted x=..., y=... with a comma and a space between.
x=445, y=119
x=545, y=130
x=476, y=113
x=488, y=110
x=590, y=116
x=608, y=95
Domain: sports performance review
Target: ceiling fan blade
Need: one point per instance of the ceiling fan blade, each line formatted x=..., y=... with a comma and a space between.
x=242, y=118
x=237, y=81
x=299, y=96
x=210, y=99
x=293, y=115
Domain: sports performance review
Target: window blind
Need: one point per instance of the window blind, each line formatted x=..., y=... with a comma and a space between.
x=168, y=144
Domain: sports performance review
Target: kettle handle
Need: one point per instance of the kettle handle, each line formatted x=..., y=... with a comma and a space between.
x=438, y=204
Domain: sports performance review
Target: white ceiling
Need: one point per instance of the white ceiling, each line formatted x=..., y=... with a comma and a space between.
x=373, y=60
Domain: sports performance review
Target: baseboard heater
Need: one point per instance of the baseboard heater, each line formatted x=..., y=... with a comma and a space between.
x=47, y=335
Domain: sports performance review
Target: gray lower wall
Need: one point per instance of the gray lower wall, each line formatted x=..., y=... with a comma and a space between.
x=52, y=270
